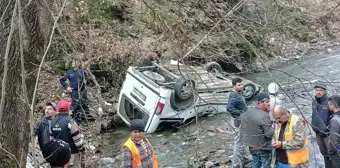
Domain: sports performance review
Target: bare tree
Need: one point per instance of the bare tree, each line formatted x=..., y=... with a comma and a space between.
x=23, y=33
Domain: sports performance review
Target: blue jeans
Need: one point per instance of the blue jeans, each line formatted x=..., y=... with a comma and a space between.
x=261, y=158
x=281, y=165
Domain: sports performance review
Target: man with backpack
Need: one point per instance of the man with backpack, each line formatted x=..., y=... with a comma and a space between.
x=56, y=152
x=66, y=129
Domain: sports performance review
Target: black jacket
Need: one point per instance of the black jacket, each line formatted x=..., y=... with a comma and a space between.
x=42, y=130
x=321, y=115
x=257, y=129
x=60, y=130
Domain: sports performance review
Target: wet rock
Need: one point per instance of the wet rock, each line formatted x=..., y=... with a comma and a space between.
x=330, y=51
x=209, y=164
x=107, y=162
x=314, y=41
x=111, y=110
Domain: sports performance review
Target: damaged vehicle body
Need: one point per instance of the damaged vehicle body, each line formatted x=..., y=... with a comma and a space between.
x=175, y=93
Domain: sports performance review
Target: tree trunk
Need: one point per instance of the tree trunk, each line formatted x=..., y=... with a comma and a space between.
x=14, y=130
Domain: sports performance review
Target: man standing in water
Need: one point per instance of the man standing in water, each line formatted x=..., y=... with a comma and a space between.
x=320, y=119
x=236, y=106
x=137, y=151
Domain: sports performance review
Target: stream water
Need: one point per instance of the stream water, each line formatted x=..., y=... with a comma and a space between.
x=198, y=143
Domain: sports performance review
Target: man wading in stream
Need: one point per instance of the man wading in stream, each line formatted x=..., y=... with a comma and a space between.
x=236, y=106
x=320, y=119
x=137, y=151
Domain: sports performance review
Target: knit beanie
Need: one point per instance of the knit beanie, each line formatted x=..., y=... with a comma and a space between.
x=137, y=124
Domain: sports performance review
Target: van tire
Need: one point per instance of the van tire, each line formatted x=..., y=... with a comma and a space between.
x=184, y=89
x=212, y=66
x=251, y=91
x=177, y=104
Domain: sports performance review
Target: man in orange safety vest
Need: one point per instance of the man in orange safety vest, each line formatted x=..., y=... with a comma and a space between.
x=137, y=151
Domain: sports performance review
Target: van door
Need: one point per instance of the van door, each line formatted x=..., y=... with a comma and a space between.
x=139, y=97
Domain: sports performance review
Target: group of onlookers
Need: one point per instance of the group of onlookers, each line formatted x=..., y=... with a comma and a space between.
x=275, y=137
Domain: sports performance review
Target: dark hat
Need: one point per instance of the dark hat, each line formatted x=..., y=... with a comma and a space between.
x=262, y=97
x=320, y=85
x=55, y=107
x=137, y=124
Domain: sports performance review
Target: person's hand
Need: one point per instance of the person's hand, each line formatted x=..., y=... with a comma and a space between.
x=69, y=89
x=277, y=144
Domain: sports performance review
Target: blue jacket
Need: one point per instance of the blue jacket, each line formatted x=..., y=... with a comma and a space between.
x=321, y=115
x=76, y=79
x=236, y=104
x=60, y=130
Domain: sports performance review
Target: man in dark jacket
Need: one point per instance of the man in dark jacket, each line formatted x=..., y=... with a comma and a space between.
x=236, y=106
x=320, y=118
x=334, y=126
x=76, y=76
x=258, y=130
x=66, y=129
x=56, y=152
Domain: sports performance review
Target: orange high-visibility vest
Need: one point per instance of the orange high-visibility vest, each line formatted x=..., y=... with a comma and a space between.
x=296, y=156
x=136, y=161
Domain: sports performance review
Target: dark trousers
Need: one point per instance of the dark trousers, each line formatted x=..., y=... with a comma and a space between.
x=322, y=142
x=261, y=158
x=79, y=104
x=335, y=159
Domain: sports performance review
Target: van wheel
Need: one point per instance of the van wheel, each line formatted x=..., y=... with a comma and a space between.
x=184, y=89
x=179, y=104
x=249, y=91
x=213, y=67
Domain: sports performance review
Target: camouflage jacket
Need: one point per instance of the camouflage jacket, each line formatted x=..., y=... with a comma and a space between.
x=299, y=133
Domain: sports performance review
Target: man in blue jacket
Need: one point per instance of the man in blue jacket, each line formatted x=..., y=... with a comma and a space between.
x=320, y=119
x=76, y=76
x=236, y=106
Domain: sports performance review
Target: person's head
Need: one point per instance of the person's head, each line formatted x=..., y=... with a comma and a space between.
x=237, y=84
x=273, y=88
x=51, y=110
x=137, y=127
x=63, y=106
x=334, y=103
x=75, y=63
x=320, y=89
x=263, y=101
x=281, y=114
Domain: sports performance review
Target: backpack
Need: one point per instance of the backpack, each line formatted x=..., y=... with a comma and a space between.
x=57, y=152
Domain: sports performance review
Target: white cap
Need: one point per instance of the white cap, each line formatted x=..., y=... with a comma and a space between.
x=273, y=88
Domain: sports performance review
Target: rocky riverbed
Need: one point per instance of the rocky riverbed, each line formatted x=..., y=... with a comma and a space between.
x=200, y=145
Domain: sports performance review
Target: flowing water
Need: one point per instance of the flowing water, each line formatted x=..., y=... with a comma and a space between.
x=199, y=143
